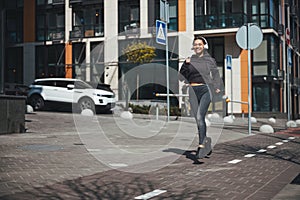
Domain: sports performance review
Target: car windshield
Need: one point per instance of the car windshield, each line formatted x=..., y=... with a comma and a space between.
x=82, y=85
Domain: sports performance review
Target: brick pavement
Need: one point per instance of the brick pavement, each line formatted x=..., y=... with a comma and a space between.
x=58, y=174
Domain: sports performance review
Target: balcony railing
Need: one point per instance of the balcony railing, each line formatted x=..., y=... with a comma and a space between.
x=233, y=20
x=87, y=31
x=220, y=21
x=56, y=2
x=56, y=34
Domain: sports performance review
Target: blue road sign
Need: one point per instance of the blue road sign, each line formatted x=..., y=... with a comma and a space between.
x=229, y=61
x=289, y=55
x=161, y=32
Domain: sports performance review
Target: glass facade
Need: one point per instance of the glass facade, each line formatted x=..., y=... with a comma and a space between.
x=50, y=61
x=216, y=14
x=154, y=14
x=266, y=65
x=88, y=20
x=219, y=14
x=144, y=80
x=14, y=67
x=50, y=23
x=14, y=21
x=129, y=16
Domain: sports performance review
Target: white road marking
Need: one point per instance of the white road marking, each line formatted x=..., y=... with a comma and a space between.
x=234, y=161
x=249, y=155
x=261, y=151
x=118, y=165
x=285, y=140
x=279, y=143
x=291, y=138
x=151, y=194
x=94, y=150
x=271, y=147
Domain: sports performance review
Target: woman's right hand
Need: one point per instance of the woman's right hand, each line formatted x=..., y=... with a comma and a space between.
x=188, y=60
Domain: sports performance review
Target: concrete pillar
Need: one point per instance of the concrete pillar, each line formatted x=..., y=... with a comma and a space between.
x=88, y=61
x=144, y=17
x=1, y=51
x=111, y=44
x=28, y=63
x=185, y=39
x=68, y=45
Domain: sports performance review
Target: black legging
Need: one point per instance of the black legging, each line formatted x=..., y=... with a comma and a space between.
x=200, y=99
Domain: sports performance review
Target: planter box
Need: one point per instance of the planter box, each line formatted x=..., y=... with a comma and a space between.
x=12, y=117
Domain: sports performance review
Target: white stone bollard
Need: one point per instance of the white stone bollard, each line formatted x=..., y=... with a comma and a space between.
x=272, y=120
x=291, y=124
x=126, y=115
x=87, y=112
x=266, y=129
x=253, y=120
x=228, y=119
x=29, y=109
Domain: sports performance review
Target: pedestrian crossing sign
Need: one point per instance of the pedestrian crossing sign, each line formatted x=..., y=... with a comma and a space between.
x=161, y=32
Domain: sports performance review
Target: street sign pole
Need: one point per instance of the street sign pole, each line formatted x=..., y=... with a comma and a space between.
x=249, y=37
x=249, y=78
x=229, y=67
x=289, y=66
x=165, y=15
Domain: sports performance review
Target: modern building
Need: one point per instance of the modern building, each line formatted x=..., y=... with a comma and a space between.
x=86, y=39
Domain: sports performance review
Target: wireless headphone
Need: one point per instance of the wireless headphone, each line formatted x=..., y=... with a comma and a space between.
x=202, y=38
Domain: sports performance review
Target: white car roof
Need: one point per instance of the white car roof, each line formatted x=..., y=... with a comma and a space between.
x=57, y=79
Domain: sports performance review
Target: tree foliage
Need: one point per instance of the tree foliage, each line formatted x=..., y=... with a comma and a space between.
x=139, y=52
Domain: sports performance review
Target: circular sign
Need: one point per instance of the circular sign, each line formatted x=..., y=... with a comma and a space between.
x=249, y=36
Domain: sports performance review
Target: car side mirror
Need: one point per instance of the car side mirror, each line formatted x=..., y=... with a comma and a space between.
x=70, y=86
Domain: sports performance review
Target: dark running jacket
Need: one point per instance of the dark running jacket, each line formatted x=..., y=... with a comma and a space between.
x=201, y=70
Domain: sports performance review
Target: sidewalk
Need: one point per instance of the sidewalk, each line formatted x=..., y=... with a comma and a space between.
x=51, y=161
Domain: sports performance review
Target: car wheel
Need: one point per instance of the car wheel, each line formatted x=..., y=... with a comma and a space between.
x=37, y=102
x=86, y=103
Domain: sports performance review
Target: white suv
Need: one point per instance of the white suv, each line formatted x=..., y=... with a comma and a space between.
x=73, y=91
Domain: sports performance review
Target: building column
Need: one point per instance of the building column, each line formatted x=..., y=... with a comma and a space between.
x=68, y=45
x=88, y=61
x=29, y=39
x=28, y=63
x=1, y=50
x=144, y=17
x=186, y=35
x=111, y=50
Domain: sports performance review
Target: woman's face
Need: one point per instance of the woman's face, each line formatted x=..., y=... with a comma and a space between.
x=198, y=46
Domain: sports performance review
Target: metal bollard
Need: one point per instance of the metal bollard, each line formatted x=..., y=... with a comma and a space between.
x=157, y=111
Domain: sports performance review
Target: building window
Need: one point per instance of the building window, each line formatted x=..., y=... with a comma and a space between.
x=266, y=97
x=14, y=67
x=14, y=21
x=56, y=26
x=129, y=16
x=79, y=53
x=219, y=14
x=50, y=25
x=261, y=97
x=266, y=57
x=50, y=61
x=154, y=14
x=260, y=60
x=264, y=13
x=88, y=21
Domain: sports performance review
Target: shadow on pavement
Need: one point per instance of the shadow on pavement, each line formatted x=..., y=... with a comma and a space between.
x=262, y=142
x=101, y=187
x=188, y=154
